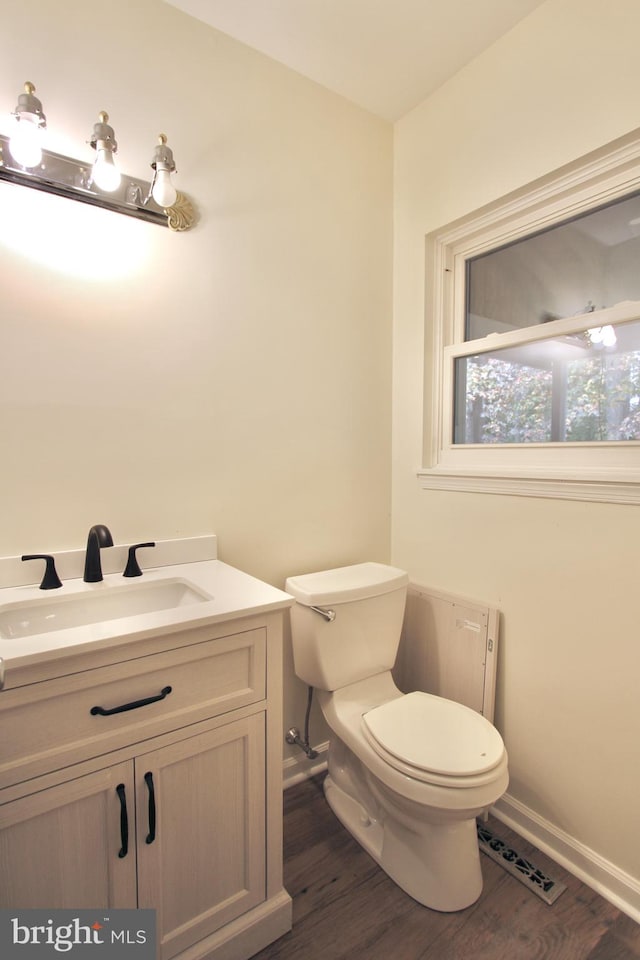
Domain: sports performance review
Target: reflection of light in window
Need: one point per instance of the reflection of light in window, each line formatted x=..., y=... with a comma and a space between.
x=70, y=238
x=603, y=335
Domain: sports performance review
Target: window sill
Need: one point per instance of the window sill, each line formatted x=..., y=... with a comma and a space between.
x=612, y=490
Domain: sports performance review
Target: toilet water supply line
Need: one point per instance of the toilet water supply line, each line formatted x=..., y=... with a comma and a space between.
x=293, y=735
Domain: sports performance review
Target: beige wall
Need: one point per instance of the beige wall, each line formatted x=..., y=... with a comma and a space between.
x=564, y=574
x=235, y=379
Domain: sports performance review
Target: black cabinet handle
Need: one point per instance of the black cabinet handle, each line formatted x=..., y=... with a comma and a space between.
x=124, y=821
x=108, y=712
x=148, y=779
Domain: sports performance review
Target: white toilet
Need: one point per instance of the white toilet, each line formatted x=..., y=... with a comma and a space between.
x=408, y=773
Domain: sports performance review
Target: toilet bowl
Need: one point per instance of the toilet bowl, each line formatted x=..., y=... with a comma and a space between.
x=407, y=773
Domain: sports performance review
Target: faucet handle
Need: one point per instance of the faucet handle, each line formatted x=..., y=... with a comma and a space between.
x=133, y=568
x=50, y=580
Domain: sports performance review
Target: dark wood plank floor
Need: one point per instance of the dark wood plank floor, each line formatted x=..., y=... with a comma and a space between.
x=344, y=906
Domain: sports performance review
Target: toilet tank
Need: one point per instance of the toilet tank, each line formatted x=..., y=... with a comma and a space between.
x=368, y=601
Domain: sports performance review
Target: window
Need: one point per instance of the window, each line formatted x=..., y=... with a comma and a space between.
x=535, y=309
x=584, y=387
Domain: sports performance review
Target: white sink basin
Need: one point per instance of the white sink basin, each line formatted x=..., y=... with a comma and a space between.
x=106, y=602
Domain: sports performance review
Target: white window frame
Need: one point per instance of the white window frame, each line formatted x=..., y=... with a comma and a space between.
x=600, y=471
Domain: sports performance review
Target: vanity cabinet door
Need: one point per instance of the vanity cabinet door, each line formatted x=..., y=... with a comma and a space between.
x=67, y=847
x=201, y=831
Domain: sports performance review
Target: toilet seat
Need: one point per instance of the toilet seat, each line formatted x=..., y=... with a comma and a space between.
x=463, y=750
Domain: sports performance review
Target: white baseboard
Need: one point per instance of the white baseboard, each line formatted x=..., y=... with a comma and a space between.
x=601, y=875
x=299, y=768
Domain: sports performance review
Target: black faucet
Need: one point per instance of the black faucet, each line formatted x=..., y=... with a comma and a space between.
x=99, y=536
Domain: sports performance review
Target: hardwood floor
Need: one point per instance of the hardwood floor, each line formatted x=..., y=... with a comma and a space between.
x=345, y=906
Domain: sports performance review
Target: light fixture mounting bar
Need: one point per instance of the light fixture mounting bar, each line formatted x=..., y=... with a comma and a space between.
x=71, y=178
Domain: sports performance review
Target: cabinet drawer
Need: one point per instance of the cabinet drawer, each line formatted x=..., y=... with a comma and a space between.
x=48, y=725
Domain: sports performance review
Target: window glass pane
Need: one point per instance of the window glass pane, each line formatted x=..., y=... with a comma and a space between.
x=584, y=264
x=584, y=387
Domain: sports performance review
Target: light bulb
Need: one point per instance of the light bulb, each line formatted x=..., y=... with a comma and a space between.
x=164, y=193
x=105, y=173
x=26, y=143
x=162, y=190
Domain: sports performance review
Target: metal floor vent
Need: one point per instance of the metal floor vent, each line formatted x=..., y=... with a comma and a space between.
x=538, y=882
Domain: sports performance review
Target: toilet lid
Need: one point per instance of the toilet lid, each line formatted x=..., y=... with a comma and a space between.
x=436, y=735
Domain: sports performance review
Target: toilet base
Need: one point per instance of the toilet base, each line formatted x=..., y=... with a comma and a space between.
x=439, y=866
x=363, y=828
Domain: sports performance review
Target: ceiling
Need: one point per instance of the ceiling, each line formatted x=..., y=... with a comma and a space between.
x=384, y=55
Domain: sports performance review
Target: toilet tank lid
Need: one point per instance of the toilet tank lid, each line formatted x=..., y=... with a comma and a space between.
x=344, y=584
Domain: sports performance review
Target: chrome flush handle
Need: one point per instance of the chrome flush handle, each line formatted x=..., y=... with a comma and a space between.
x=329, y=615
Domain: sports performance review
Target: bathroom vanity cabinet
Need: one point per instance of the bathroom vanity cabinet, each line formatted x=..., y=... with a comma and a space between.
x=174, y=803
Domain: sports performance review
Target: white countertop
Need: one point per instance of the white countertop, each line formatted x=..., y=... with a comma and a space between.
x=234, y=594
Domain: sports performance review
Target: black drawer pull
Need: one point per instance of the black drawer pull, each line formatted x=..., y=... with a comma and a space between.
x=148, y=779
x=103, y=712
x=124, y=821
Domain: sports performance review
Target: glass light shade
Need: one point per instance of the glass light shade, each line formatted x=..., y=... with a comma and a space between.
x=105, y=173
x=26, y=143
x=164, y=193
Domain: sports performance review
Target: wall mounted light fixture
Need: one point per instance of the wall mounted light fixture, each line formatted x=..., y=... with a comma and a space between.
x=24, y=161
